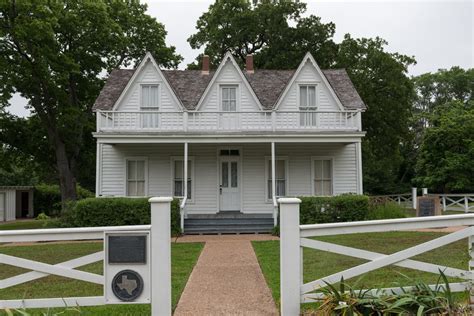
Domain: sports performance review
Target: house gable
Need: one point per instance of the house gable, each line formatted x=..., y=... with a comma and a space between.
x=309, y=73
x=229, y=73
x=147, y=72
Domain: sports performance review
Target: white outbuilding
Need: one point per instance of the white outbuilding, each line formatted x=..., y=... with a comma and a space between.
x=16, y=202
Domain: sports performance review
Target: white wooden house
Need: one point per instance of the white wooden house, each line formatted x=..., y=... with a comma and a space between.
x=249, y=136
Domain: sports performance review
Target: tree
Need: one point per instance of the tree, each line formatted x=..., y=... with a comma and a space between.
x=442, y=150
x=445, y=161
x=53, y=53
x=265, y=30
x=381, y=80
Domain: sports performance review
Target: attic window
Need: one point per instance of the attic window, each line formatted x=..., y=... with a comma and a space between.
x=229, y=98
x=149, y=96
x=308, y=105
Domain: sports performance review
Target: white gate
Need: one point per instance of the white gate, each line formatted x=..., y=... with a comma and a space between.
x=294, y=236
x=160, y=233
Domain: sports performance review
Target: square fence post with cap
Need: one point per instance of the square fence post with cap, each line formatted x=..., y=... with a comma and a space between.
x=160, y=255
x=290, y=256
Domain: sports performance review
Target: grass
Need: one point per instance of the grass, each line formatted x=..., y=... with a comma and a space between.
x=23, y=224
x=183, y=257
x=317, y=264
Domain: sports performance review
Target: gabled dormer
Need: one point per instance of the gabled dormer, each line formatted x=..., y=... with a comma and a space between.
x=229, y=90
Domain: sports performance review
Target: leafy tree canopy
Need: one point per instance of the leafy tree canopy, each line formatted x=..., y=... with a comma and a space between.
x=54, y=54
x=445, y=161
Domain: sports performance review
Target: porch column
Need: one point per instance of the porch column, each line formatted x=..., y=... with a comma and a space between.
x=359, y=168
x=275, y=206
x=185, y=164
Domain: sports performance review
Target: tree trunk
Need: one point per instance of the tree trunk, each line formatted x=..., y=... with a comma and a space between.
x=67, y=180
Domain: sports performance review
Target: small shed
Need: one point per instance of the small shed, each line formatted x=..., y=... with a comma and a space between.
x=16, y=202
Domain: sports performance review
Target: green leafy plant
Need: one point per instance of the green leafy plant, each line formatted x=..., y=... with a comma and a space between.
x=331, y=209
x=92, y=212
x=385, y=211
x=47, y=198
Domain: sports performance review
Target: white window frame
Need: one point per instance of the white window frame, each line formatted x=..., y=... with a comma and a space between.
x=146, y=108
x=190, y=175
x=268, y=163
x=316, y=99
x=313, y=174
x=237, y=96
x=137, y=158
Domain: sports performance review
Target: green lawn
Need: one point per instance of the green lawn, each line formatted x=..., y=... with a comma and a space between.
x=318, y=264
x=23, y=224
x=183, y=257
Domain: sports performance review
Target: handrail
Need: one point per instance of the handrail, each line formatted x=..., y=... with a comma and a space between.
x=182, y=214
x=275, y=211
x=313, y=230
x=227, y=112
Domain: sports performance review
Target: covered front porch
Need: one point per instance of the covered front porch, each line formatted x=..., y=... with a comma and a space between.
x=228, y=179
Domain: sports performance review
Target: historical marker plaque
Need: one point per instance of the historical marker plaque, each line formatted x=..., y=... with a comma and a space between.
x=127, y=249
x=428, y=206
x=127, y=285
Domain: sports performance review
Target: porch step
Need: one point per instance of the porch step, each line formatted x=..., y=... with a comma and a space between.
x=228, y=223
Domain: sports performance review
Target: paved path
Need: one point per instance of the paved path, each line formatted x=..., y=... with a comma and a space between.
x=226, y=280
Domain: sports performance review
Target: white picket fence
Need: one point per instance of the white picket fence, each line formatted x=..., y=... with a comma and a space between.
x=160, y=256
x=293, y=237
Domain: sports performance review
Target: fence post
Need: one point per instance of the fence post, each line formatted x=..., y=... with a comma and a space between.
x=414, y=196
x=160, y=256
x=471, y=269
x=425, y=191
x=466, y=204
x=290, y=256
x=444, y=202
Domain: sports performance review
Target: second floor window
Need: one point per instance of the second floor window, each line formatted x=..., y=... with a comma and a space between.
x=229, y=98
x=308, y=105
x=149, y=96
x=149, y=103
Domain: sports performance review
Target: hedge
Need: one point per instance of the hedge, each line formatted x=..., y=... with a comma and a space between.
x=47, y=198
x=92, y=212
x=331, y=209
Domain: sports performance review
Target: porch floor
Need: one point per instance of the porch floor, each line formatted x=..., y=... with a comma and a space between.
x=228, y=223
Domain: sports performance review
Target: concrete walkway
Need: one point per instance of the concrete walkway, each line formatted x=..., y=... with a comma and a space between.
x=226, y=280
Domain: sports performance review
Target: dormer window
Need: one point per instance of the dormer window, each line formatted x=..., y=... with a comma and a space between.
x=308, y=105
x=149, y=104
x=229, y=98
x=149, y=96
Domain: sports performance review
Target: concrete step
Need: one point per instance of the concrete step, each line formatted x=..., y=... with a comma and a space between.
x=226, y=222
x=228, y=230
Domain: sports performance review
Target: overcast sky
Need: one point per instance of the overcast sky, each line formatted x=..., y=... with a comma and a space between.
x=438, y=33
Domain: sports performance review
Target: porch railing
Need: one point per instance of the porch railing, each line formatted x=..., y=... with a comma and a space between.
x=156, y=121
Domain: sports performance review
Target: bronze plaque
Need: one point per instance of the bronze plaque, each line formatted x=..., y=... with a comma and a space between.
x=127, y=249
x=428, y=206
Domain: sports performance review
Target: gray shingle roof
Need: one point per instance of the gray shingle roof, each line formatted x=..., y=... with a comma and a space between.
x=268, y=85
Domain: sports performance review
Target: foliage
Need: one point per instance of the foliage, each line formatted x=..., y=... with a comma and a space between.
x=445, y=160
x=47, y=198
x=331, y=209
x=276, y=32
x=387, y=210
x=24, y=312
x=93, y=212
x=54, y=54
x=419, y=300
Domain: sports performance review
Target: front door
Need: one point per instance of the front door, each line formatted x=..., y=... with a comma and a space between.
x=229, y=190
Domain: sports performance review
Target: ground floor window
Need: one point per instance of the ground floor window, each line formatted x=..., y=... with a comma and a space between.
x=178, y=178
x=280, y=178
x=136, y=176
x=322, y=176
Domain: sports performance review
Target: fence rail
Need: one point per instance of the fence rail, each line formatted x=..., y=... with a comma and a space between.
x=160, y=271
x=156, y=121
x=294, y=237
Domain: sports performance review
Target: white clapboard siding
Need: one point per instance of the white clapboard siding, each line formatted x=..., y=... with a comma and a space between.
x=205, y=186
x=148, y=75
x=309, y=75
x=8, y=205
x=229, y=75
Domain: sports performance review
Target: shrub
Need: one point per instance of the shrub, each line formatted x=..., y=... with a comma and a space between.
x=92, y=212
x=331, y=209
x=47, y=198
x=386, y=211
